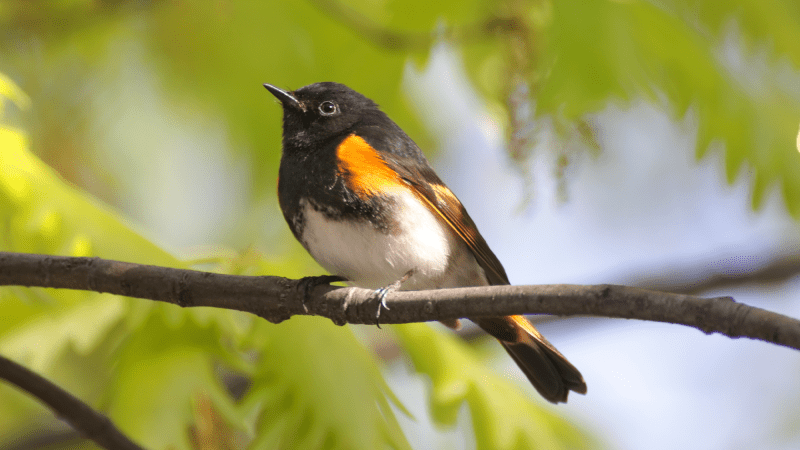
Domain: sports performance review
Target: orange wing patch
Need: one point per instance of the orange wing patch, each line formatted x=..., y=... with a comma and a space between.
x=449, y=208
x=363, y=169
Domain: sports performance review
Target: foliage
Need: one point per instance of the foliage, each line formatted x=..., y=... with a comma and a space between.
x=502, y=415
x=725, y=64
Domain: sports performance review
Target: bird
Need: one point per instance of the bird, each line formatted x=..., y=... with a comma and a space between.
x=360, y=196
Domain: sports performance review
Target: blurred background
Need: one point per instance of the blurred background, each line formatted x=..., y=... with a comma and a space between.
x=646, y=143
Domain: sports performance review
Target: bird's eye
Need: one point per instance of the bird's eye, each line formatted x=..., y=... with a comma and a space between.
x=327, y=108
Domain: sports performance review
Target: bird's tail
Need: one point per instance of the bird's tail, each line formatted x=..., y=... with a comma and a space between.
x=546, y=368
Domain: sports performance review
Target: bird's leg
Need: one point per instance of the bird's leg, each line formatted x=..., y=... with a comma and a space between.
x=384, y=291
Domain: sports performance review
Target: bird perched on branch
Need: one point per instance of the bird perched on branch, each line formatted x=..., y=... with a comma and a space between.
x=360, y=196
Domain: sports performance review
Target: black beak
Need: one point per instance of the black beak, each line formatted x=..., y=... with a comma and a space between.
x=285, y=97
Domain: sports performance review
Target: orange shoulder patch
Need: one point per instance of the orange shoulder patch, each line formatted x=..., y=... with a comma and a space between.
x=363, y=169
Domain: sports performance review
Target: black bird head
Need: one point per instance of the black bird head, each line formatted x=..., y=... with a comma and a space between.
x=321, y=111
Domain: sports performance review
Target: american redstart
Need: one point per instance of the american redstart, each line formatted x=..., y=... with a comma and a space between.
x=360, y=196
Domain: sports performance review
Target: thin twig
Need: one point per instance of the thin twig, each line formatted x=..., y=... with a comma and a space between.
x=725, y=273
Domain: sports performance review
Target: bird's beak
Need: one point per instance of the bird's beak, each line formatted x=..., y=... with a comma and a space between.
x=285, y=97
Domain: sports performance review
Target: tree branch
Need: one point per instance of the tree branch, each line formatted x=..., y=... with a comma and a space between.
x=88, y=422
x=398, y=40
x=723, y=273
x=277, y=299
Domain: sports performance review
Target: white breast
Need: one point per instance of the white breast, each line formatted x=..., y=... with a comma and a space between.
x=372, y=258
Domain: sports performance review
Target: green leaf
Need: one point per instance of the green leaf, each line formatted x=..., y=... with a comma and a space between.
x=161, y=370
x=71, y=336
x=503, y=415
x=41, y=213
x=315, y=386
x=774, y=24
x=602, y=50
x=201, y=58
x=585, y=55
x=9, y=90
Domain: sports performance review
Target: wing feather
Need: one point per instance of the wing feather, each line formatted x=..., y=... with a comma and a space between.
x=403, y=156
x=444, y=204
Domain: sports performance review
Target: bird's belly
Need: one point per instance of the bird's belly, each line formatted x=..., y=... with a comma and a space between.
x=370, y=257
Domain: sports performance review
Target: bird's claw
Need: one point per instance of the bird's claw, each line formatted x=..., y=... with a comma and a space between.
x=384, y=291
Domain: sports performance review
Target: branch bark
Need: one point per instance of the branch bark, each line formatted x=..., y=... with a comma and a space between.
x=722, y=273
x=398, y=40
x=88, y=422
x=277, y=299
